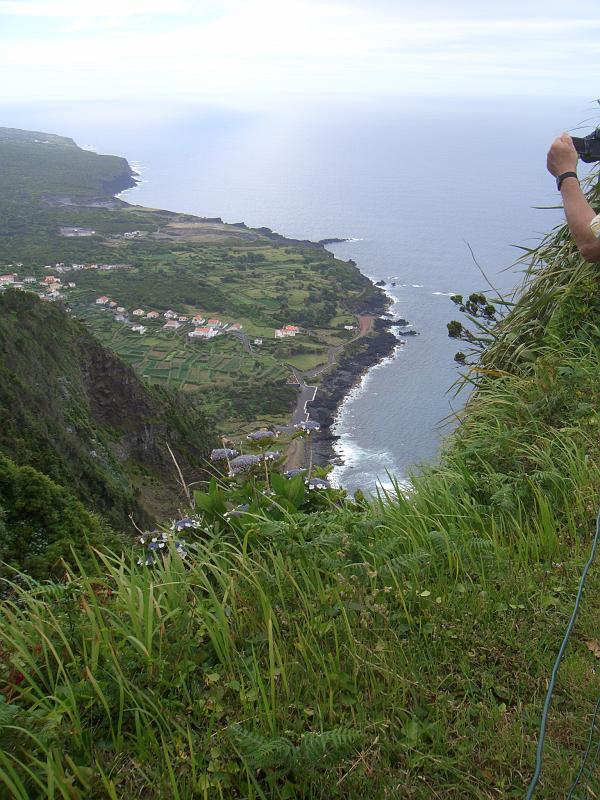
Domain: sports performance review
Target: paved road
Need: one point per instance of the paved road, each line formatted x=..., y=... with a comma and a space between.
x=243, y=339
x=295, y=455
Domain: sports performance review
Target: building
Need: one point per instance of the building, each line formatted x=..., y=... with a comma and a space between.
x=182, y=319
x=287, y=330
x=120, y=310
x=120, y=318
x=349, y=327
x=112, y=304
x=29, y=279
x=203, y=333
x=170, y=314
x=139, y=312
x=171, y=325
x=152, y=315
x=102, y=301
x=198, y=319
x=258, y=341
x=138, y=328
x=235, y=327
x=71, y=285
x=215, y=323
x=50, y=279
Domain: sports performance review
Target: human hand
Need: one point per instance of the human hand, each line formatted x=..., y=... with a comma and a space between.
x=562, y=156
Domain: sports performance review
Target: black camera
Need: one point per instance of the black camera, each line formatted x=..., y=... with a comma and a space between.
x=588, y=148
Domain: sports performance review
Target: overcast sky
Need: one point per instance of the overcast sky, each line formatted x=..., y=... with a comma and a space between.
x=71, y=49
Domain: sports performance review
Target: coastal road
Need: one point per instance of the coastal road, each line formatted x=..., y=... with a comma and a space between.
x=296, y=453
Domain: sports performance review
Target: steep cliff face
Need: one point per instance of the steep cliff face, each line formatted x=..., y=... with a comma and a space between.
x=76, y=412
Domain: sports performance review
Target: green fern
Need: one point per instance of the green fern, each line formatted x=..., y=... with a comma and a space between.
x=262, y=752
x=315, y=751
x=327, y=748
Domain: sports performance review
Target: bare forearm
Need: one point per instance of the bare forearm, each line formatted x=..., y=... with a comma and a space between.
x=562, y=158
x=579, y=214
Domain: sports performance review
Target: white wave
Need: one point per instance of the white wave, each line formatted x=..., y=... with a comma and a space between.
x=417, y=285
x=89, y=147
x=392, y=297
x=445, y=294
x=361, y=386
x=396, y=330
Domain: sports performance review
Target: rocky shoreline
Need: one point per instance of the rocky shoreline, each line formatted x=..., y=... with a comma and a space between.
x=337, y=385
x=126, y=179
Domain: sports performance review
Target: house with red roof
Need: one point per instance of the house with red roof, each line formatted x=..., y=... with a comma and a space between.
x=203, y=333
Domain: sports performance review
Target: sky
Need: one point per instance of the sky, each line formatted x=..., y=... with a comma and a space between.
x=187, y=49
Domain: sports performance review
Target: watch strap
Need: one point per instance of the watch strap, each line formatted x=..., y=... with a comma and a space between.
x=560, y=178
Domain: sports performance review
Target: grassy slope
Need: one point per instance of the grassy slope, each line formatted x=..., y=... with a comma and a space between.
x=399, y=649
x=74, y=411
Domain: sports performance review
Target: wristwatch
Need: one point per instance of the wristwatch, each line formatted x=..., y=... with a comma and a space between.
x=560, y=178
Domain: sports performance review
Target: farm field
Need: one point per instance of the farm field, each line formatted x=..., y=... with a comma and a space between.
x=258, y=287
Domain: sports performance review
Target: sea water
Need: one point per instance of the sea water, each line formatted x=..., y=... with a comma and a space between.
x=423, y=188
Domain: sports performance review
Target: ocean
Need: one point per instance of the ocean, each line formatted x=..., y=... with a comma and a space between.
x=414, y=184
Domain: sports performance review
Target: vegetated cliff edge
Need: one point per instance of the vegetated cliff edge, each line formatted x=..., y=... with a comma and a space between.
x=74, y=411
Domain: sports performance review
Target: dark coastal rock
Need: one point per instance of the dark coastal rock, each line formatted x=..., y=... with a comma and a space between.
x=125, y=179
x=324, y=242
x=410, y=332
x=338, y=384
x=379, y=283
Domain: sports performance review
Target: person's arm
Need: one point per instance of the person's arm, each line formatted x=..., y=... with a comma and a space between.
x=562, y=157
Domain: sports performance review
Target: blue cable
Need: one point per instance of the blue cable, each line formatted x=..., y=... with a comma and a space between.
x=587, y=752
x=542, y=736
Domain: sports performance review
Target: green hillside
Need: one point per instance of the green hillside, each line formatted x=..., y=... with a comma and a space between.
x=75, y=412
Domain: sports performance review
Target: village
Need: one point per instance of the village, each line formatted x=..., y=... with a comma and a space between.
x=51, y=288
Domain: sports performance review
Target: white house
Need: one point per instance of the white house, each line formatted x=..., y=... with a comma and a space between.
x=138, y=328
x=170, y=314
x=139, y=312
x=102, y=301
x=287, y=330
x=203, y=333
